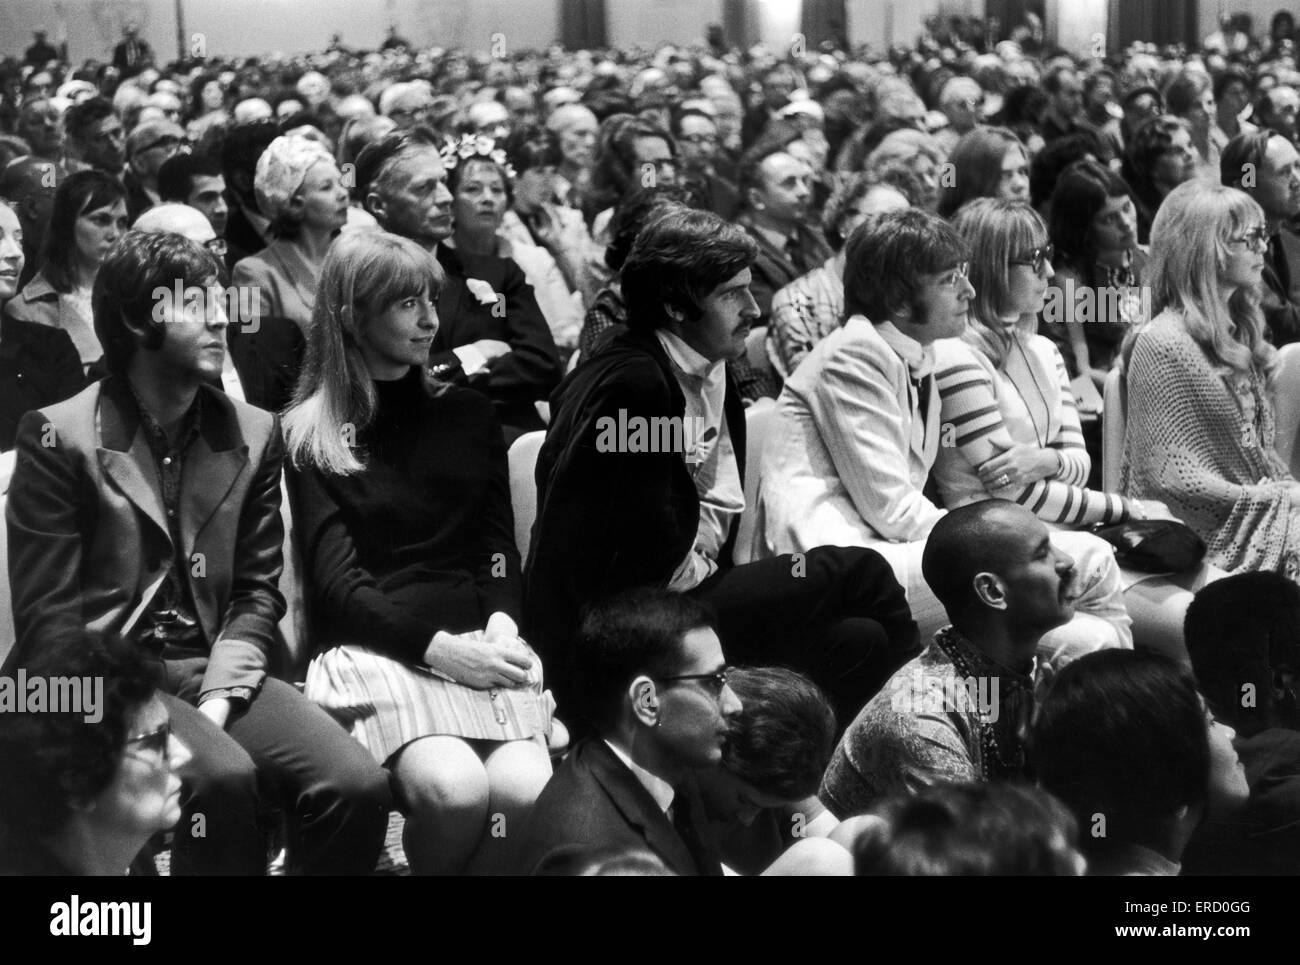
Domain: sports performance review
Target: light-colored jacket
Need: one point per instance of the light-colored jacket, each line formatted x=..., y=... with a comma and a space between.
x=846, y=462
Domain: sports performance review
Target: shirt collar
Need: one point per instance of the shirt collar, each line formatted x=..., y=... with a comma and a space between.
x=687, y=360
x=919, y=358
x=658, y=788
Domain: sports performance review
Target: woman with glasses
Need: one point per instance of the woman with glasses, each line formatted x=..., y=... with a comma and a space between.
x=1098, y=265
x=631, y=153
x=86, y=220
x=989, y=162
x=1200, y=423
x=300, y=189
x=38, y=364
x=84, y=788
x=402, y=509
x=1160, y=157
x=1015, y=431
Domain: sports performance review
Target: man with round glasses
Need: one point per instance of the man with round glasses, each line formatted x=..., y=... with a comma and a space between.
x=857, y=424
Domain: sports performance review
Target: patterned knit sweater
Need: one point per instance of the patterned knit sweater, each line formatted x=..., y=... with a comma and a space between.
x=1202, y=441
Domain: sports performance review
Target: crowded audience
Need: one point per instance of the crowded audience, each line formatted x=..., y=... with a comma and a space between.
x=677, y=461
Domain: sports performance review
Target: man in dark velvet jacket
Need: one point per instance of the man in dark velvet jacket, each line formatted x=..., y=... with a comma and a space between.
x=492, y=335
x=640, y=481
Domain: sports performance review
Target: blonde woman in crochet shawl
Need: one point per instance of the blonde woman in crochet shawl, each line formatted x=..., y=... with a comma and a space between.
x=1200, y=421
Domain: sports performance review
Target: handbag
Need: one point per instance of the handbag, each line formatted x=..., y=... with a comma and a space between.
x=1154, y=545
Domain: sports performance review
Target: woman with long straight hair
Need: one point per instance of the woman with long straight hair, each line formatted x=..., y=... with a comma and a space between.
x=1200, y=427
x=1093, y=228
x=402, y=503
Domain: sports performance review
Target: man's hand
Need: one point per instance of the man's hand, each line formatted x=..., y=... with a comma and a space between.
x=216, y=710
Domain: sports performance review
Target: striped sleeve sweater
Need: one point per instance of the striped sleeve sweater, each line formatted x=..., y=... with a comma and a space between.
x=986, y=411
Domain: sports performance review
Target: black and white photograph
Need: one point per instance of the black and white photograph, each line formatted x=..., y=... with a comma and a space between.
x=660, y=438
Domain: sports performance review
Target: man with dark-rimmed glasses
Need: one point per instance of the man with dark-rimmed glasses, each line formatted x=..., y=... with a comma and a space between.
x=652, y=679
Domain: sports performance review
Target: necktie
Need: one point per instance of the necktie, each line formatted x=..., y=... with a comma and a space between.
x=686, y=828
x=921, y=387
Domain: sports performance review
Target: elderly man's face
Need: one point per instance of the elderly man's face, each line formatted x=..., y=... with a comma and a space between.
x=1280, y=109
x=412, y=108
x=1278, y=188
x=105, y=146
x=491, y=119
x=41, y=125
x=412, y=199
x=698, y=139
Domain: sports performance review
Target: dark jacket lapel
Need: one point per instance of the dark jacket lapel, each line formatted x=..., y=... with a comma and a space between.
x=637, y=807
x=124, y=454
x=212, y=466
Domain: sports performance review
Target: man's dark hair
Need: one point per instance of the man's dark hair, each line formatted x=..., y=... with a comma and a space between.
x=375, y=157
x=633, y=633
x=887, y=257
x=243, y=146
x=80, y=118
x=1233, y=74
x=1054, y=158
x=1240, y=631
x=969, y=830
x=51, y=762
x=1184, y=92
x=531, y=147
x=966, y=541
x=677, y=260
x=80, y=193
x=177, y=174
x=1123, y=736
x=783, y=739
x=639, y=208
x=127, y=285
x=1247, y=147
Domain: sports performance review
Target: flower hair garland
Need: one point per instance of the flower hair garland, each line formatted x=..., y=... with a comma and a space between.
x=475, y=146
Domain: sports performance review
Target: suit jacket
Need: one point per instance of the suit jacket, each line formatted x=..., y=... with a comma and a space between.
x=846, y=463
x=774, y=268
x=1281, y=294
x=267, y=349
x=88, y=536
x=242, y=239
x=610, y=521
x=594, y=802
x=38, y=366
x=530, y=370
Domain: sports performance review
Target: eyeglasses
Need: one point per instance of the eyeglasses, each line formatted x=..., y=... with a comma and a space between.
x=156, y=741
x=1036, y=258
x=718, y=680
x=1256, y=238
x=958, y=275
